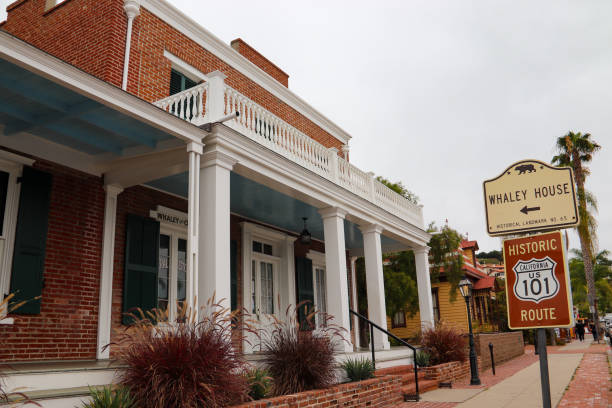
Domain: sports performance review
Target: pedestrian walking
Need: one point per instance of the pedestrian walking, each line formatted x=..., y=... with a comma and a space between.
x=580, y=330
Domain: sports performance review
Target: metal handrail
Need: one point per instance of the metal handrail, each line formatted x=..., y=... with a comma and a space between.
x=402, y=342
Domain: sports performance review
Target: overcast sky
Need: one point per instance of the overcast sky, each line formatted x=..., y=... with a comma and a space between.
x=442, y=95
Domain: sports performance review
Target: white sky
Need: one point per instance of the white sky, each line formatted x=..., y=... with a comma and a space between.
x=442, y=95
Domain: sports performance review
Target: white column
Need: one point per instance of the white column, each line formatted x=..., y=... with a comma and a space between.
x=193, y=216
x=375, y=282
x=215, y=103
x=335, y=265
x=214, y=235
x=421, y=257
x=355, y=304
x=106, y=274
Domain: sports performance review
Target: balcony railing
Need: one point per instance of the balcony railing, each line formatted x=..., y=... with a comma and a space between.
x=214, y=99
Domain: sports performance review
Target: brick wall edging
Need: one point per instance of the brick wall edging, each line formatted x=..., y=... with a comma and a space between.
x=451, y=371
x=379, y=391
x=506, y=346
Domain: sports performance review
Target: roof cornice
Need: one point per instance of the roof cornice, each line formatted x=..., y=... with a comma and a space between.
x=212, y=43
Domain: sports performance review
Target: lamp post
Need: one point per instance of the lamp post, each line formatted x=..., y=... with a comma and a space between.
x=465, y=287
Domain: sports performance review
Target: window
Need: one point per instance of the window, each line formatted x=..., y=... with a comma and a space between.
x=436, y=304
x=320, y=287
x=264, y=270
x=262, y=248
x=399, y=319
x=16, y=274
x=172, y=272
x=179, y=82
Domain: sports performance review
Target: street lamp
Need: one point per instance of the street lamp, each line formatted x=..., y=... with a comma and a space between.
x=465, y=287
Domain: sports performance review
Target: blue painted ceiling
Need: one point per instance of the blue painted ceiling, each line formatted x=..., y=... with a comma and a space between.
x=258, y=202
x=33, y=104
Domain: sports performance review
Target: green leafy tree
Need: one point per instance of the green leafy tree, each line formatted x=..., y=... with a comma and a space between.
x=495, y=254
x=602, y=274
x=401, y=292
x=499, y=309
x=400, y=189
x=575, y=150
x=445, y=256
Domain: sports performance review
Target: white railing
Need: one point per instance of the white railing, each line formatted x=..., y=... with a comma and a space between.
x=274, y=133
x=189, y=104
x=212, y=100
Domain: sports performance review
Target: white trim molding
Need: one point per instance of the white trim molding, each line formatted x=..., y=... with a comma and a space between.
x=180, y=21
x=186, y=69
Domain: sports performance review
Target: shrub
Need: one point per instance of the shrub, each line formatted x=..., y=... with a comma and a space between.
x=182, y=364
x=301, y=360
x=358, y=369
x=444, y=343
x=109, y=397
x=422, y=358
x=260, y=383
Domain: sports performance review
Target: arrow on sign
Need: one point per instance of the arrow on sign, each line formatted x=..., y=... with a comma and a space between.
x=525, y=209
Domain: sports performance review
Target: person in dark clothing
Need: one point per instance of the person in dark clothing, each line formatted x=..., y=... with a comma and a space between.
x=580, y=330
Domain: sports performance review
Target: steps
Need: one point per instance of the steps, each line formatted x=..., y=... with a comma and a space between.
x=408, y=387
x=58, y=384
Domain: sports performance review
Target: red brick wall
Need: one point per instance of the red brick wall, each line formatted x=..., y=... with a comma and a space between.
x=506, y=346
x=262, y=62
x=376, y=392
x=90, y=34
x=66, y=328
x=140, y=201
x=451, y=371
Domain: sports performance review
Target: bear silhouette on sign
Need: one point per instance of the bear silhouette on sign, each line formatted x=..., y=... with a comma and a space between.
x=525, y=168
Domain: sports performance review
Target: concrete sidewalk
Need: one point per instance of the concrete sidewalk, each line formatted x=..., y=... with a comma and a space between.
x=522, y=390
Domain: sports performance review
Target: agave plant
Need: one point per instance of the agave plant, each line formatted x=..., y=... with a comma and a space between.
x=358, y=369
x=109, y=397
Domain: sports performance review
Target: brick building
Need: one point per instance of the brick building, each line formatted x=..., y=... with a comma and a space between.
x=128, y=181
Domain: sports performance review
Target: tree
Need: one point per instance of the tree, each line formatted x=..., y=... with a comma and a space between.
x=602, y=274
x=401, y=294
x=400, y=189
x=446, y=256
x=574, y=150
x=495, y=254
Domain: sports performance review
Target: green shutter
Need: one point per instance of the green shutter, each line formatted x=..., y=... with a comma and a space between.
x=176, y=82
x=305, y=290
x=141, y=266
x=31, y=240
x=234, y=274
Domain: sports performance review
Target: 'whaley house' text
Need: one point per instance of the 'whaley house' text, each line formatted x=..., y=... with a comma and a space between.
x=522, y=195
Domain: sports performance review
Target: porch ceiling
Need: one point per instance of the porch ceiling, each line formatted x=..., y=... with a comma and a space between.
x=255, y=201
x=36, y=105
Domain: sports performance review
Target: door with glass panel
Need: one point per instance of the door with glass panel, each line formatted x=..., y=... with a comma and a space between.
x=264, y=287
x=172, y=274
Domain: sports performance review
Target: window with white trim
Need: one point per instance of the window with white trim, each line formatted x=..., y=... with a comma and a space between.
x=399, y=319
x=11, y=167
x=265, y=266
x=319, y=284
x=172, y=271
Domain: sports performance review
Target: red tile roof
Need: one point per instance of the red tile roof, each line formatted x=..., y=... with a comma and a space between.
x=469, y=244
x=485, y=283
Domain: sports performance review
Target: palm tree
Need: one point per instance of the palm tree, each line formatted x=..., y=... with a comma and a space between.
x=574, y=150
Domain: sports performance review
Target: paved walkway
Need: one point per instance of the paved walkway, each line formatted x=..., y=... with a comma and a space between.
x=517, y=383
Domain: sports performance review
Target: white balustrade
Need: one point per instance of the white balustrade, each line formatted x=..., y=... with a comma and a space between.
x=188, y=104
x=269, y=130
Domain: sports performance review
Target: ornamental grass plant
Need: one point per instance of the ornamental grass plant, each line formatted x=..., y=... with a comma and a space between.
x=444, y=343
x=300, y=357
x=187, y=363
x=109, y=397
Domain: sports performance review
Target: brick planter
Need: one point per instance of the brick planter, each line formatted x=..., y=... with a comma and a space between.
x=506, y=346
x=449, y=371
x=376, y=392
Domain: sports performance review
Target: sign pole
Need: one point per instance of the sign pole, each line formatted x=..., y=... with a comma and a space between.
x=541, y=335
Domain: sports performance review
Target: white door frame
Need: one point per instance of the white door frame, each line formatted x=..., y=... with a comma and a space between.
x=284, y=279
